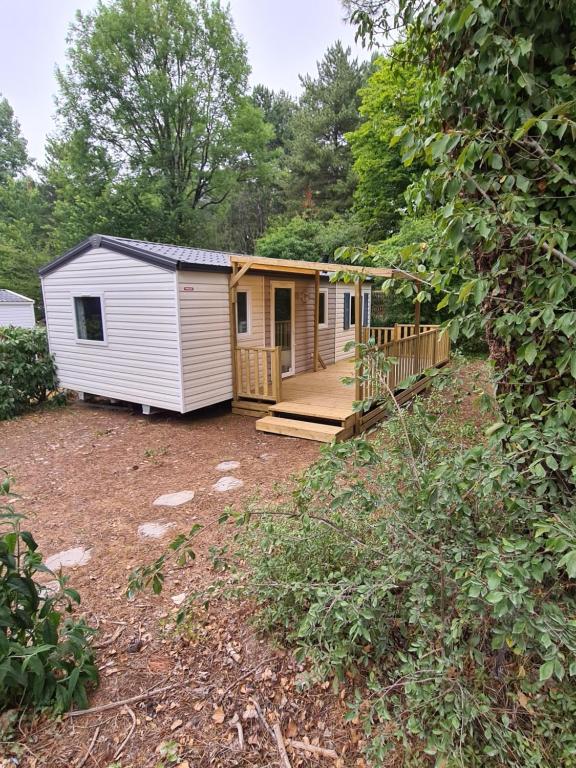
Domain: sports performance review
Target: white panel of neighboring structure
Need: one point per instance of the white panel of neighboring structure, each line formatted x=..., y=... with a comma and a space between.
x=343, y=336
x=20, y=315
x=204, y=338
x=139, y=360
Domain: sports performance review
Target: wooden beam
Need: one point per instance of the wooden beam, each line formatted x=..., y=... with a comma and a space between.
x=416, y=362
x=238, y=275
x=316, y=316
x=309, y=267
x=358, y=335
x=233, y=333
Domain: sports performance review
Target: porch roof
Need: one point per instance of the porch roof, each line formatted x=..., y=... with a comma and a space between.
x=244, y=263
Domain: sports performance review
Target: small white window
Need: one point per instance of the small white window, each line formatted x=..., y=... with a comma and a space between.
x=323, y=308
x=242, y=312
x=89, y=319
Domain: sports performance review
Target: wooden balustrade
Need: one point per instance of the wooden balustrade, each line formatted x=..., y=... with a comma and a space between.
x=258, y=373
x=385, y=334
x=413, y=355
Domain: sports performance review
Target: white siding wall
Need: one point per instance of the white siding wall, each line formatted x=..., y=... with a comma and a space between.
x=20, y=315
x=342, y=337
x=205, y=338
x=140, y=360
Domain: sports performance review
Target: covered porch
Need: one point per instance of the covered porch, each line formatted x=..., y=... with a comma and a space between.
x=316, y=404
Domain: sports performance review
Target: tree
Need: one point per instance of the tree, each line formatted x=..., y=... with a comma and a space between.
x=161, y=89
x=279, y=109
x=310, y=239
x=320, y=160
x=388, y=100
x=13, y=153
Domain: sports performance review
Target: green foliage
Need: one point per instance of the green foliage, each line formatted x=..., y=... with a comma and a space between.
x=388, y=100
x=158, y=96
x=419, y=567
x=311, y=239
x=497, y=126
x=13, y=153
x=27, y=371
x=45, y=658
x=320, y=160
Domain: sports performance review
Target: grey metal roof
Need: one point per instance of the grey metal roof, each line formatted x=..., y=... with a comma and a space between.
x=178, y=253
x=170, y=257
x=10, y=297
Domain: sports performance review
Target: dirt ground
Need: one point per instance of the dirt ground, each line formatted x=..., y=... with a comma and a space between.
x=87, y=477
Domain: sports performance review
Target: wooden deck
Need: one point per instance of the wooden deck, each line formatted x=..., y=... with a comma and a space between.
x=318, y=405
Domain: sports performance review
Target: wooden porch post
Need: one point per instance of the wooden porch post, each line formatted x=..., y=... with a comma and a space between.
x=233, y=334
x=358, y=335
x=416, y=362
x=316, y=316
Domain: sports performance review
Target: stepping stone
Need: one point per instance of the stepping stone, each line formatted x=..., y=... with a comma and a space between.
x=154, y=530
x=226, y=466
x=173, y=499
x=227, y=484
x=69, y=558
x=178, y=599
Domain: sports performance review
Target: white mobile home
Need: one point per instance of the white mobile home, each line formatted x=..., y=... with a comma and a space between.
x=181, y=328
x=16, y=310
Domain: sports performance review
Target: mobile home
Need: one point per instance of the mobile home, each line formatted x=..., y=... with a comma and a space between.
x=181, y=328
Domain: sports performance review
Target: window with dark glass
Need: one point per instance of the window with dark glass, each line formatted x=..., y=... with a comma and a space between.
x=322, y=318
x=89, y=320
x=353, y=310
x=242, y=311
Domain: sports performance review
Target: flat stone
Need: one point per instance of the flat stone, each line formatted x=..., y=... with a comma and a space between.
x=226, y=466
x=69, y=558
x=154, y=530
x=227, y=483
x=49, y=589
x=178, y=599
x=173, y=499
x=266, y=456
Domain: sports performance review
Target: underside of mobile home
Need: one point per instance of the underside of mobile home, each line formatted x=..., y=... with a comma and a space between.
x=180, y=329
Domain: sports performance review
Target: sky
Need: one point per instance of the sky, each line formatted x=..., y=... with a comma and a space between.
x=285, y=38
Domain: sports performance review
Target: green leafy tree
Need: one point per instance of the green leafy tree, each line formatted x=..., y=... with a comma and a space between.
x=13, y=153
x=159, y=94
x=320, y=160
x=389, y=99
x=279, y=109
x=310, y=239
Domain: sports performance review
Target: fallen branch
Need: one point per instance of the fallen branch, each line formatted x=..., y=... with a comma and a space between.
x=122, y=702
x=331, y=753
x=262, y=718
x=242, y=677
x=281, y=746
x=128, y=735
x=240, y=735
x=106, y=643
x=90, y=748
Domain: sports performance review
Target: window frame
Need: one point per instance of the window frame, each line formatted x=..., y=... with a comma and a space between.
x=352, y=311
x=90, y=342
x=248, y=330
x=321, y=326
x=366, y=309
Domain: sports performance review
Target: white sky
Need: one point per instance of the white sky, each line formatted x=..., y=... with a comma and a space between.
x=285, y=38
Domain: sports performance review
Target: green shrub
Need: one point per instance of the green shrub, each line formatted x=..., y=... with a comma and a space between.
x=426, y=571
x=27, y=370
x=45, y=658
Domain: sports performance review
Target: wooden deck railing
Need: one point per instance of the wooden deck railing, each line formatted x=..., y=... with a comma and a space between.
x=413, y=354
x=385, y=334
x=258, y=375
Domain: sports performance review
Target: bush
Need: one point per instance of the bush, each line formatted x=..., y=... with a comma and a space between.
x=425, y=571
x=45, y=659
x=27, y=370
x=310, y=239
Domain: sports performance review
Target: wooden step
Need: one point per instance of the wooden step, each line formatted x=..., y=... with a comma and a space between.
x=323, y=412
x=307, y=430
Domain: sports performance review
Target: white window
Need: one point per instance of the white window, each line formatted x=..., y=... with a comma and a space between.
x=89, y=319
x=323, y=308
x=243, y=312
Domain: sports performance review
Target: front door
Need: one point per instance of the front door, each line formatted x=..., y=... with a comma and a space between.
x=283, y=324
